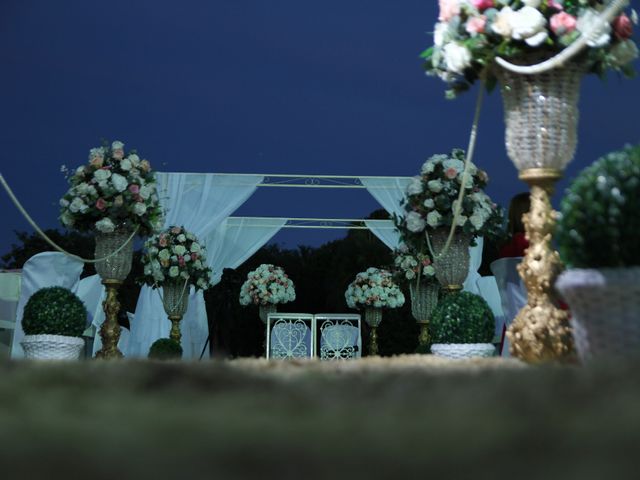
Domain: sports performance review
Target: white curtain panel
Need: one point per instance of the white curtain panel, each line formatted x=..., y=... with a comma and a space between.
x=385, y=230
x=200, y=203
x=237, y=239
x=475, y=260
x=388, y=191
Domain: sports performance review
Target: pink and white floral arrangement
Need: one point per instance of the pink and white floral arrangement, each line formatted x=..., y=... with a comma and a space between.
x=431, y=198
x=113, y=191
x=471, y=33
x=266, y=285
x=410, y=264
x=374, y=288
x=175, y=255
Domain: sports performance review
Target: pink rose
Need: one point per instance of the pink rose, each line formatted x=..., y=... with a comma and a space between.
x=555, y=5
x=482, y=4
x=476, y=25
x=562, y=23
x=448, y=9
x=118, y=154
x=118, y=201
x=451, y=173
x=162, y=241
x=96, y=162
x=101, y=204
x=176, y=230
x=426, y=262
x=145, y=166
x=623, y=27
x=181, y=261
x=135, y=189
x=194, y=257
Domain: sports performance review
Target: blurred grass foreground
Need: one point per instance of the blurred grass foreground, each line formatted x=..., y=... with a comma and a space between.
x=403, y=417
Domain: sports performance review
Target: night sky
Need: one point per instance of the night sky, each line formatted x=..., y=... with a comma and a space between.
x=250, y=86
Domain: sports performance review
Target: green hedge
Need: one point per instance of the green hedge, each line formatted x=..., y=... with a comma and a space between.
x=462, y=318
x=54, y=311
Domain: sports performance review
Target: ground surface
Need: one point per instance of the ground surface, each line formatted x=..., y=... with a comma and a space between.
x=407, y=417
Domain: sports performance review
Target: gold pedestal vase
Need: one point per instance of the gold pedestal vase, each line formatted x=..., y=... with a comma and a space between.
x=541, y=117
x=373, y=317
x=113, y=271
x=424, y=299
x=175, y=300
x=452, y=265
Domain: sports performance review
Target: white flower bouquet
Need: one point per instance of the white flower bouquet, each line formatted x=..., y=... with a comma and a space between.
x=175, y=255
x=113, y=191
x=410, y=264
x=266, y=285
x=471, y=33
x=432, y=197
x=374, y=288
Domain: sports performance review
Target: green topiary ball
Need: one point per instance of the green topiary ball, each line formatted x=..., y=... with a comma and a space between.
x=54, y=311
x=462, y=318
x=600, y=222
x=165, y=349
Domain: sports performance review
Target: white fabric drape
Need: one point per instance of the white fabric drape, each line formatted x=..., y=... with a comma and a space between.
x=385, y=231
x=236, y=240
x=200, y=203
x=475, y=260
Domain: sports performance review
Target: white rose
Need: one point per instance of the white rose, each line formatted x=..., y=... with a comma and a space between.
x=119, y=182
x=433, y=219
x=462, y=219
x=105, y=225
x=624, y=52
x=502, y=22
x=67, y=219
x=182, y=238
x=64, y=202
x=415, y=222
x=457, y=57
x=528, y=22
x=597, y=31
x=457, y=165
x=427, y=167
x=429, y=271
x=195, y=247
x=435, y=186
x=415, y=186
x=164, y=254
x=442, y=33
x=134, y=159
x=429, y=203
x=126, y=164
x=117, y=145
x=477, y=221
x=78, y=206
x=139, y=209
x=146, y=191
x=174, y=271
x=101, y=175
x=532, y=3
x=179, y=250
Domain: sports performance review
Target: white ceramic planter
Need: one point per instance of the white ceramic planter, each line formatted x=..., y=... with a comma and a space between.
x=52, y=347
x=605, y=310
x=463, y=350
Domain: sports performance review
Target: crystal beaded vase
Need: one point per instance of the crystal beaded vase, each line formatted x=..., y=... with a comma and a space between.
x=265, y=310
x=541, y=116
x=452, y=266
x=118, y=266
x=373, y=316
x=424, y=298
x=175, y=298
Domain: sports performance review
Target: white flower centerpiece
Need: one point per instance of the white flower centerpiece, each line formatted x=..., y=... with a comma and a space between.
x=430, y=203
x=175, y=261
x=115, y=197
x=373, y=290
x=267, y=286
x=538, y=50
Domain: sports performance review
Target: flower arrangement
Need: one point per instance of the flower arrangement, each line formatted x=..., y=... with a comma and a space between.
x=471, y=33
x=265, y=285
x=175, y=255
x=410, y=264
x=431, y=198
x=600, y=222
x=374, y=288
x=112, y=191
x=462, y=318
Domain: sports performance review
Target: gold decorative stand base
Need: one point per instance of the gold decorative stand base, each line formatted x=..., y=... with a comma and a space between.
x=175, y=327
x=450, y=289
x=423, y=338
x=540, y=331
x=110, y=330
x=373, y=341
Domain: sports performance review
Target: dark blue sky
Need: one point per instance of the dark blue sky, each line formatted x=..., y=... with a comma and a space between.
x=250, y=86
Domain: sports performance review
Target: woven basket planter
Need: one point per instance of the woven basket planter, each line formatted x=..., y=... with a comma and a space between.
x=52, y=347
x=463, y=350
x=605, y=311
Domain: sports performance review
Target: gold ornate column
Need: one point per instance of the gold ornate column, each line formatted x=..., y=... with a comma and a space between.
x=541, y=330
x=110, y=330
x=175, y=327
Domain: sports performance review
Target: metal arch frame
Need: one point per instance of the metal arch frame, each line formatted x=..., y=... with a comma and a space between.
x=319, y=223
